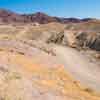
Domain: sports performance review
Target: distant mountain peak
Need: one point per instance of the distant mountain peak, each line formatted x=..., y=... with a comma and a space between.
x=40, y=13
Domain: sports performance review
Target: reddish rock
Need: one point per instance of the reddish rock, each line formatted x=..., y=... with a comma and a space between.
x=7, y=16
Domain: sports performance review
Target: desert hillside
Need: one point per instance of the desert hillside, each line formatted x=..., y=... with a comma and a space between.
x=27, y=73
x=49, y=61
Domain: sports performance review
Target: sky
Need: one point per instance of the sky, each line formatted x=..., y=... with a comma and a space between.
x=61, y=8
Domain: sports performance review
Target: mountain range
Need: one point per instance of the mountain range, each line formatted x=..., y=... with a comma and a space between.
x=7, y=16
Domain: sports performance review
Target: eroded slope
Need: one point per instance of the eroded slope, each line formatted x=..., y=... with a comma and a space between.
x=24, y=78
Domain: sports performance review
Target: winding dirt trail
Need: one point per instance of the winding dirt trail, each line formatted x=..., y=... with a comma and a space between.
x=81, y=68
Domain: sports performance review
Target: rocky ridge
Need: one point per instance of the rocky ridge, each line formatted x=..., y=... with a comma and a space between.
x=7, y=16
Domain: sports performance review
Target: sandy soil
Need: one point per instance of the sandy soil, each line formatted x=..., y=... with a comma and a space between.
x=24, y=77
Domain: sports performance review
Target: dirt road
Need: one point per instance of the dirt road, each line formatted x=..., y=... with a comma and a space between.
x=81, y=68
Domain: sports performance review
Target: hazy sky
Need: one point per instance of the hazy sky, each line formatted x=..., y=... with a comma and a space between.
x=64, y=8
